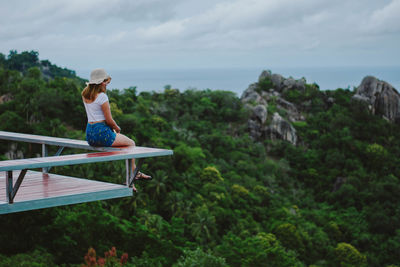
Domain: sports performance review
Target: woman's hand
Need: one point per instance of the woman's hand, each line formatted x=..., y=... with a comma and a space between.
x=109, y=120
x=117, y=129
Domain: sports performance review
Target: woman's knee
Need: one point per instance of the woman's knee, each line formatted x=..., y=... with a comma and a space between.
x=131, y=142
x=122, y=140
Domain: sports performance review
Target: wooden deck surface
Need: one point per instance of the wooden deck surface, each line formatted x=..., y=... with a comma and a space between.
x=49, y=140
x=127, y=153
x=49, y=190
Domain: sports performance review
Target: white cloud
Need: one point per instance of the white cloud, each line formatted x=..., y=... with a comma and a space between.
x=152, y=31
x=168, y=29
x=386, y=19
x=45, y=17
x=250, y=24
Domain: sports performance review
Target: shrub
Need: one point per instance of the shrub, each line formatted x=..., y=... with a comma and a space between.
x=37, y=258
x=348, y=255
x=194, y=258
x=289, y=236
x=211, y=174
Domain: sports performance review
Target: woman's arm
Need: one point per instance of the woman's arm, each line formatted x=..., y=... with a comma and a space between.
x=109, y=119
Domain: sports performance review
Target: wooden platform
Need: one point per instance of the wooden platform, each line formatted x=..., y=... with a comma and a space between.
x=50, y=140
x=40, y=190
x=127, y=153
x=37, y=190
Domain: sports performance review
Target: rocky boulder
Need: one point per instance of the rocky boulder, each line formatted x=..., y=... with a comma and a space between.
x=268, y=91
x=281, y=129
x=381, y=98
x=293, y=113
x=255, y=129
x=14, y=153
x=257, y=120
x=282, y=84
x=260, y=113
x=5, y=98
x=251, y=95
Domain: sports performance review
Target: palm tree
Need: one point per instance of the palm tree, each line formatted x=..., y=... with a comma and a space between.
x=140, y=199
x=153, y=222
x=184, y=209
x=203, y=226
x=158, y=186
x=173, y=202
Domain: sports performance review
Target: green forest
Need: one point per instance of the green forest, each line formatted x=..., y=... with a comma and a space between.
x=223, y=198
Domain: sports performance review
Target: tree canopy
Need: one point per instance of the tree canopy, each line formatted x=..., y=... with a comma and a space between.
x=223, y=199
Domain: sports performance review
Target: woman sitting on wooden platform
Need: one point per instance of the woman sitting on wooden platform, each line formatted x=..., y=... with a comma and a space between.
x=101, y=129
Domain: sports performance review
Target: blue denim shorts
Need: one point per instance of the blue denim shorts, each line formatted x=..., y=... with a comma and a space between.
x=100, y=134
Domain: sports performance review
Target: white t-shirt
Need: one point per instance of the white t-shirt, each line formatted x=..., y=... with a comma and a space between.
x=93, y=110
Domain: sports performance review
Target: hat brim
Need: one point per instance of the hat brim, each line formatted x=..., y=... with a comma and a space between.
x=99, y=81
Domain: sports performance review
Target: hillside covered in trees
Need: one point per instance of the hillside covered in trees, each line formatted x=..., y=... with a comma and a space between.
x=227, y=197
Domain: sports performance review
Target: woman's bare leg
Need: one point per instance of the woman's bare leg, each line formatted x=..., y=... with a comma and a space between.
x=123, y=140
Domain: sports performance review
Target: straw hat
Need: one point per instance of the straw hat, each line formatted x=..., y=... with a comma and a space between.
x=98, y=76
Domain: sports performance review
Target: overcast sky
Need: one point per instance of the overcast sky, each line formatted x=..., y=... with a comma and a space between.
x=122, y=34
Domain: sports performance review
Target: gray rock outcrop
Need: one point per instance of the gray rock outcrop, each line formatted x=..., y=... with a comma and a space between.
x=255, y=129
x=282, y=84
x=258, y=96
x=293, y=113
x=250, y=94
x=268, y=95
x=281, y=129
x=381, y=98
x=5, y=98
x=14, y=153
x=260, y=113
x=257, y=120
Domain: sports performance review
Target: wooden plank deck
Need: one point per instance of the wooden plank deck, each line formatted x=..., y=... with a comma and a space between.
x=128, y=153
x=56, y=141
x=40, y=190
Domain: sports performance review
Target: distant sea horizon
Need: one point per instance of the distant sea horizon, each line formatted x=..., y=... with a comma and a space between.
x=238, y=79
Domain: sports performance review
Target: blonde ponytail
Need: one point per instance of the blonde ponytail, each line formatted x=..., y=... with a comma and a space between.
x=92, y=90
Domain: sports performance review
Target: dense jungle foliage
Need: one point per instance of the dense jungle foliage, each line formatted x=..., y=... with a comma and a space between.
x=222, y=199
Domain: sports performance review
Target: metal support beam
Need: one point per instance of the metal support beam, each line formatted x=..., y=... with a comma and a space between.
x=128, y=167
x=58, y=153
x=9, y=186
x=132, y=179
x=44, y=154
x=18, y=184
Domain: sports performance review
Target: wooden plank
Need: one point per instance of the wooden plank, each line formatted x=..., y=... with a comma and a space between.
x=43, y=185
x=128, y=153
x=56, y=141
x=62, y=201
x=37, y=183
x=40, y=190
